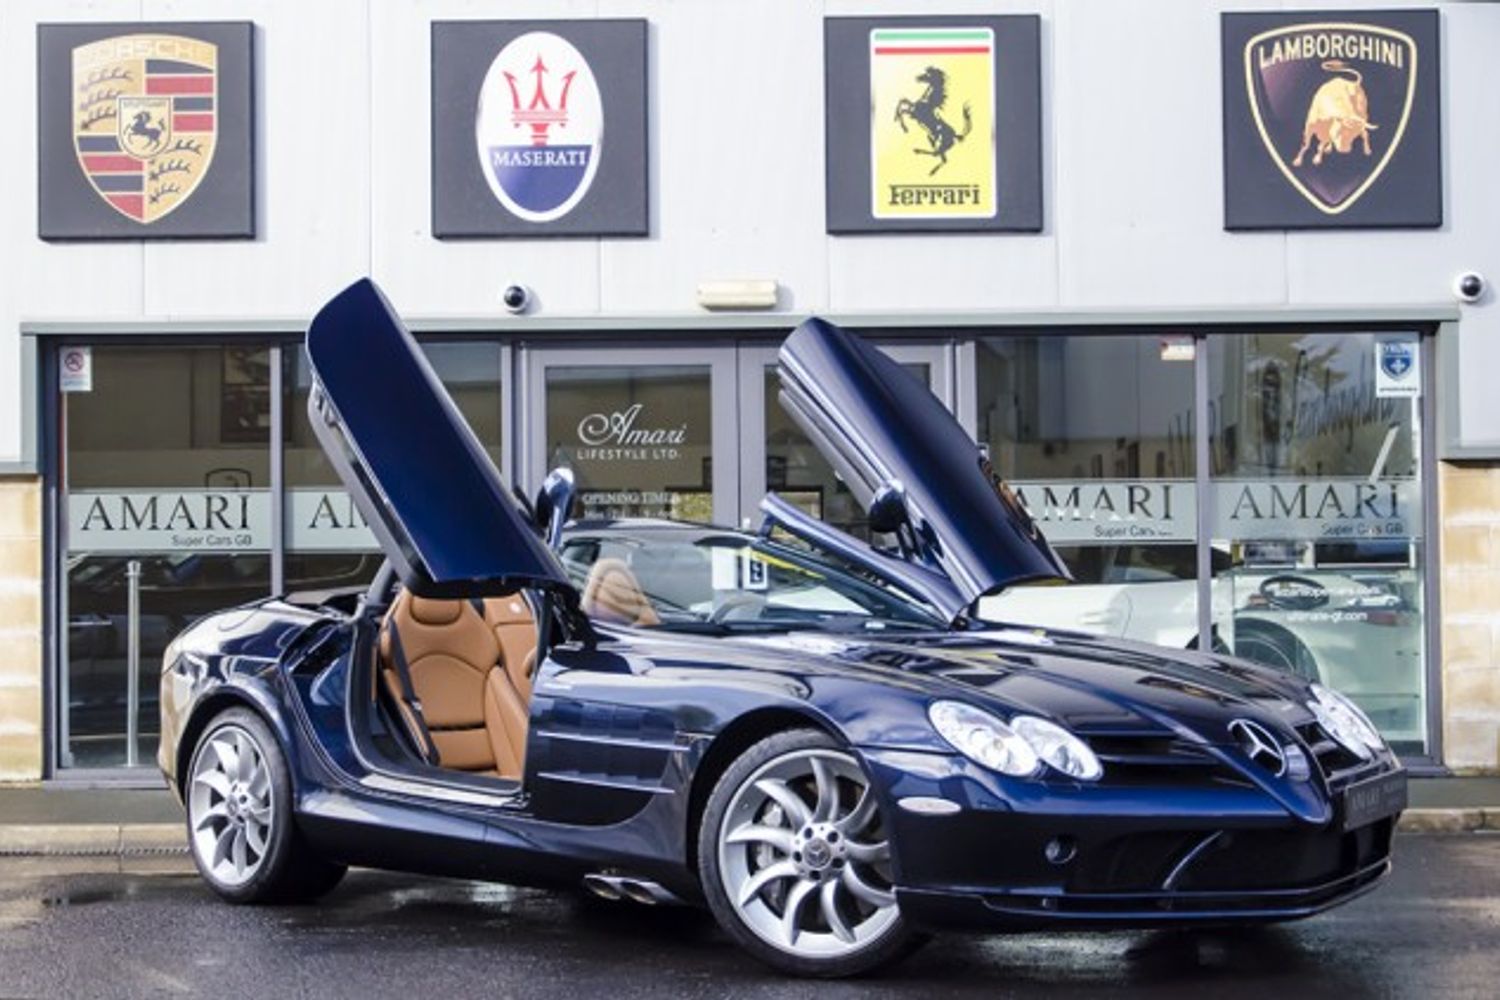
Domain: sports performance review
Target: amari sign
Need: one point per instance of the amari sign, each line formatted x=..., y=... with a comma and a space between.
x=1124, y=512
x=1331, y=120
x=170, y=521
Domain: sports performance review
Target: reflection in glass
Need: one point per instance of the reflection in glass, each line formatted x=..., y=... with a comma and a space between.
x=1317, y=519
x=167, y=466
x=1095, y=435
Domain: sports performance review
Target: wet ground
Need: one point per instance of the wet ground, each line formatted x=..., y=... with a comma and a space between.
x=86, y=927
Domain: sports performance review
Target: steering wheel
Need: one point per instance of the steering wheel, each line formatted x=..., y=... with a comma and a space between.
x=735, y=603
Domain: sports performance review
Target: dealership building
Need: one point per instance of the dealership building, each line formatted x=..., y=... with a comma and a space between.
x=1211, y=284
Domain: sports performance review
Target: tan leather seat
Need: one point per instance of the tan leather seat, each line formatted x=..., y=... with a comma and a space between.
x=613, y=594
x=511, y=620
x=471, y=708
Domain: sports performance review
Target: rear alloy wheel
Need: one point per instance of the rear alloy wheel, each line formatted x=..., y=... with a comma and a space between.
x=796, y=862
x=239, y=815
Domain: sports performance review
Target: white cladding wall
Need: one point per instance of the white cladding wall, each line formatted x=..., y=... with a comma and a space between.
x=1133, y=175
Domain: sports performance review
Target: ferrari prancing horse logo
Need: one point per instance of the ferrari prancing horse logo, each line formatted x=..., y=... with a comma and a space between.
x=1331, y=102
x=144, y=120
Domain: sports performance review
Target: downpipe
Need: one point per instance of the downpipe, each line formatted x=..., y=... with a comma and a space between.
x=616, y=888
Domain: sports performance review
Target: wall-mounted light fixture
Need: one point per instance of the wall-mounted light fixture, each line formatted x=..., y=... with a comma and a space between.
x=749, y=294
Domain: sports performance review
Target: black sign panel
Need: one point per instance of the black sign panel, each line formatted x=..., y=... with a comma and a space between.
x=539, y=128
x=1331, y=120
x=933, y=124
x=145, y=130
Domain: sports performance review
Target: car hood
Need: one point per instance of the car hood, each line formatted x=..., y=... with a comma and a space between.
x=1137, y=705
x=876, y=423
x=1092, y=685
x=421, y=479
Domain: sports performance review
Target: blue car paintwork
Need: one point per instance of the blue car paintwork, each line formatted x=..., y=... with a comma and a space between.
x=421, y=479
x=629, y=728
x=879, y=424
x=621, y=727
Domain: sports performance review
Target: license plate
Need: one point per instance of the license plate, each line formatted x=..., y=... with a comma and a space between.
x=1374, y=799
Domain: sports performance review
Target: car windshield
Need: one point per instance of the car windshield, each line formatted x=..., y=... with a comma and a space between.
x=723, y=582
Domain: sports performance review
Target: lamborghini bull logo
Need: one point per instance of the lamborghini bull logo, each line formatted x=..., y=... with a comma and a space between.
x=1312, y=88
x=927, y=111
x=1338, y=116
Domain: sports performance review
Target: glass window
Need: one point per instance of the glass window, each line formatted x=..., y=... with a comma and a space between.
x=328, y=544
x=168, y=469
x=711, y=580
x=637, y=437
x=1317, y=517
x=1094, y=433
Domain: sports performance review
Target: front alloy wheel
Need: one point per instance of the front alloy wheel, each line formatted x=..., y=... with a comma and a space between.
x=229, y=799
x=239, y=816
x=797, y=861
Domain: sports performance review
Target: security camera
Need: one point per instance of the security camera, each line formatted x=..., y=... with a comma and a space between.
x=1469, y=286
x=517, y=298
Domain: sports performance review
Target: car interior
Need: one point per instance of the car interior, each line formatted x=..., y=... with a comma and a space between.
x=455, y=675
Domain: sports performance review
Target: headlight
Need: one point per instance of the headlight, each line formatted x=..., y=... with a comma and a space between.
x=1017, y=748
x=1058, y=747
x=1345, y=722
x=983, y=738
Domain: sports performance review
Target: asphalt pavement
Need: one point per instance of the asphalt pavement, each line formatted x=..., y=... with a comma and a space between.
x=146, y=926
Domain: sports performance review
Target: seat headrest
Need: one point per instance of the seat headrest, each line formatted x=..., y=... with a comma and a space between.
x=433, y=611
x=613, y=594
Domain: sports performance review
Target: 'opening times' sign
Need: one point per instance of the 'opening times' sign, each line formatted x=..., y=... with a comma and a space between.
x=1076, y=512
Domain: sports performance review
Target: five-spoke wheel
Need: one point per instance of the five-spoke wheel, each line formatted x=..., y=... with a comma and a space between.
x=796, y=859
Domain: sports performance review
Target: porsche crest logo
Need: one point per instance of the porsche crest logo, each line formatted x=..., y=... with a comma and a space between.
x=144, y=119
x=1331, y=102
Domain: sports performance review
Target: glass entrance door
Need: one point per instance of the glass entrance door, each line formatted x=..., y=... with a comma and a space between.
x=167, y=517
x=640, y=428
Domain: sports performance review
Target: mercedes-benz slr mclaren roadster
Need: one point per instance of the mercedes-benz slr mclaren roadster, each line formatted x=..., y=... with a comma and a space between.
x=822, y=744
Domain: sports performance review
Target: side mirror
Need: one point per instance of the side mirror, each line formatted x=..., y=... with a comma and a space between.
x=554, y=502
x=888, y=512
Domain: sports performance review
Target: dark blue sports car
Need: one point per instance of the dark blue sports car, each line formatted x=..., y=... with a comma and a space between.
x=812, y=736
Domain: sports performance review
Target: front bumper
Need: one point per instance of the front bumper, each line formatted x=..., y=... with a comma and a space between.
x=1034, y=909
x=1029, y=854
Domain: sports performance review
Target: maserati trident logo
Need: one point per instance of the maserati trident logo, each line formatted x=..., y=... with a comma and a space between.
x=1259, y=745
x=1331, y=102
x=539, y=126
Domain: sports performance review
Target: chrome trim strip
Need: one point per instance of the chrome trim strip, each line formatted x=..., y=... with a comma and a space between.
x=443, y=793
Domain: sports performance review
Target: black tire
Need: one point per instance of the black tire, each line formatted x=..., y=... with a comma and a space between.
x=892, y=943
x=288, y=871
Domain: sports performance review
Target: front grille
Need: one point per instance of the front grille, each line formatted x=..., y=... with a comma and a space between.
x=1150, y=758
x=1232, y=860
